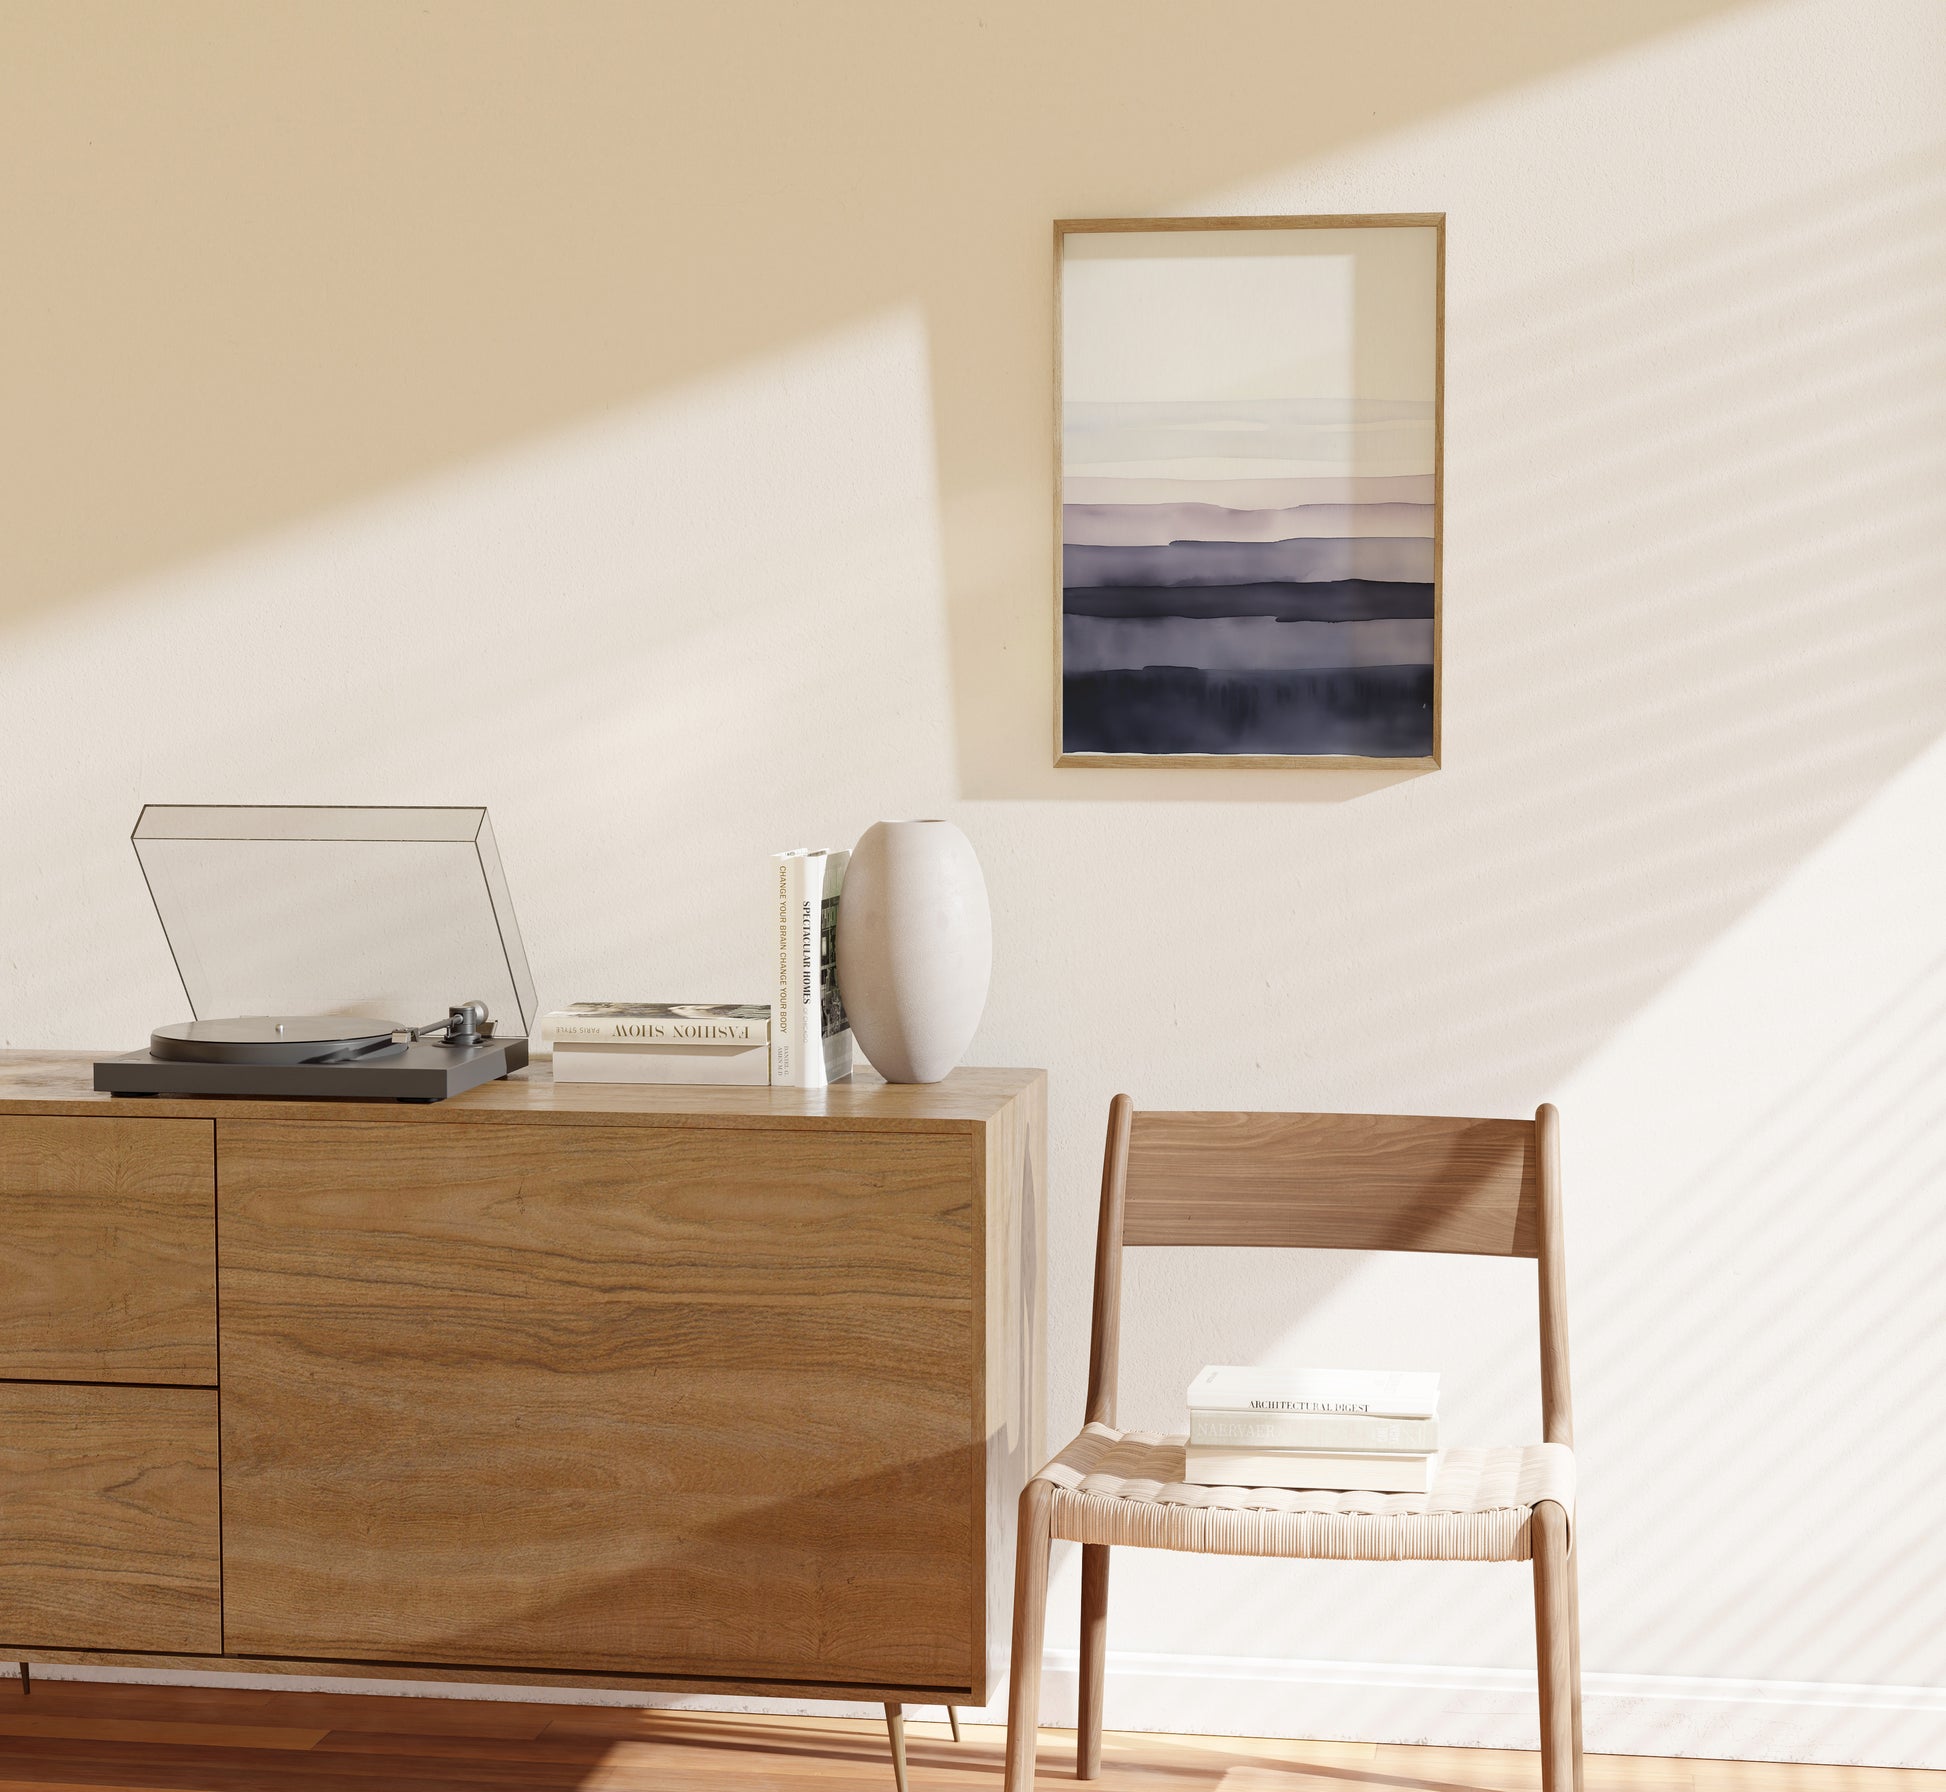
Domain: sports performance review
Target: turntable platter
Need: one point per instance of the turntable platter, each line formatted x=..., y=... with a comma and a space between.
x=273, y=1039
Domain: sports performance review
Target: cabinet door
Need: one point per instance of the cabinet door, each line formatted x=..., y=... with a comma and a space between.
x=107, y=1250
x=691, y=1401
x=108, y=1522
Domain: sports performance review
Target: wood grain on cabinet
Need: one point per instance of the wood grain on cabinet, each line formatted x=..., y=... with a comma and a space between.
x=699, y=1401
x=108, y=1518
x=107, y=1250
x=652, y=1387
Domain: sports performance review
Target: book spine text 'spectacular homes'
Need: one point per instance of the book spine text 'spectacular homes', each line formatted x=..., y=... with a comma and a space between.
x=810, y=1037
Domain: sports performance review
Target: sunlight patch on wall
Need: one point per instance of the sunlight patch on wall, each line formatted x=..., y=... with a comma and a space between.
x=1767, y=1137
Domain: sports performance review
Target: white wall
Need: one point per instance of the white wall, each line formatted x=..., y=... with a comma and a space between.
x=672, y=383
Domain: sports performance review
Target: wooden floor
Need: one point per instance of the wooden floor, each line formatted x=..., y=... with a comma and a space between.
x=81, y=1737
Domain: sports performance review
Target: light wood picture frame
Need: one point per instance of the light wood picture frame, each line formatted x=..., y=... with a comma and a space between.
x=1248, y=502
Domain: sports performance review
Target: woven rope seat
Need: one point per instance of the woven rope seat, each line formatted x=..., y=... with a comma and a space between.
x=1127, y=1487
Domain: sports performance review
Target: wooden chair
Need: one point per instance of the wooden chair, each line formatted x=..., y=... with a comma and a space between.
x=1358, y=1182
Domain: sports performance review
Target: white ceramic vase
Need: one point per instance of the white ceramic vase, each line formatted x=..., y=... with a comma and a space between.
x=915, y=947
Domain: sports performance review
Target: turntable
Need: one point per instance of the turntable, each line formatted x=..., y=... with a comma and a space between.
x=311, y=941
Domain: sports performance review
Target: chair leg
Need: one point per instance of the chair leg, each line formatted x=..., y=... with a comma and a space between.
x=1555, y=1648
x=1574, y=1651
x=1030, y=1629
x=952, y=1717
x=895, y=1724
x=1094, y=1656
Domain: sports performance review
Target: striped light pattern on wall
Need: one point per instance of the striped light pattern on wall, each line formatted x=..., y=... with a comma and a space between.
x=1249, y=514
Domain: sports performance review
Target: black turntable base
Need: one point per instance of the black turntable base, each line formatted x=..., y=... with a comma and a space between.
x=316, y=1057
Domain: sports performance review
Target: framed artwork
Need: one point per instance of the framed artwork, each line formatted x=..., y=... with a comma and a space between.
x=1248, y=501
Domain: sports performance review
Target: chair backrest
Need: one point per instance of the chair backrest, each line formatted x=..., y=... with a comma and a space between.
x=1353, y=1182
x=1357, y=1182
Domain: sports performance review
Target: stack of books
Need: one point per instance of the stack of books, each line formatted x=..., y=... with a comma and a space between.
x=660, y=1042
x=1339, y=1430
x=801, y=1041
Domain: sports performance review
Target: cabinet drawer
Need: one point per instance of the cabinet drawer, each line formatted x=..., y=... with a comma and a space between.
x=107, y=1250
x=108, y=1519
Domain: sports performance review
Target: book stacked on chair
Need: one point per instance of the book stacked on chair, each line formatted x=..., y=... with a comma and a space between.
x=1339, y=1430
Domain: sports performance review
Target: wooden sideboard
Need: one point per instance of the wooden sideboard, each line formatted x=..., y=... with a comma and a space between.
x=580, y=1385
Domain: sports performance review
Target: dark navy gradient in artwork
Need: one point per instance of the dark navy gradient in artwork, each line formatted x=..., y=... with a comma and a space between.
x=1380, y=712
x=1241, y=643
x=1301, y=630
x=1320, y=600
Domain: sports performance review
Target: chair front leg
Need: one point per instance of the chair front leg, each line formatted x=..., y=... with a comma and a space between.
x=1574, y=1649
x=1030, y=1629
x=1094, y=1659
x=1555, y=1649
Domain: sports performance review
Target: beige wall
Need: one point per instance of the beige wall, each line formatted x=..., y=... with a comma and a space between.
x=671, y=382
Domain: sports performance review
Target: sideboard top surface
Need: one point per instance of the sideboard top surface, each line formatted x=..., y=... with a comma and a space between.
x=47, y=1082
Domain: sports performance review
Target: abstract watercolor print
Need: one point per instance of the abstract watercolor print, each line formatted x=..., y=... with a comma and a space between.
x=1249, y=490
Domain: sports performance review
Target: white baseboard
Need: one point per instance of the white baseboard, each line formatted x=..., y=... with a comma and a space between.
x=1453, y=1707
x=1470, y=1707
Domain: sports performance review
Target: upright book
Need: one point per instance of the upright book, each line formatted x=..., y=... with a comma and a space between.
x=810, y=1039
